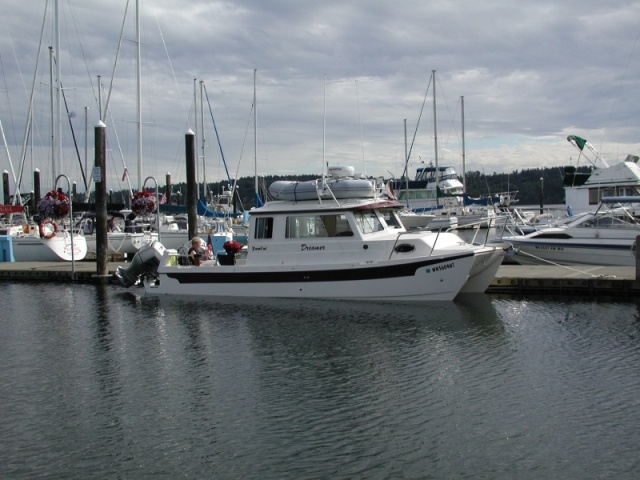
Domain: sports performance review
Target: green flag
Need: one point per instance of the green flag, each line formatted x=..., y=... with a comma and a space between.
x=577, y=141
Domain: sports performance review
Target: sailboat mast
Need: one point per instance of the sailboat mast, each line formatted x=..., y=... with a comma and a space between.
x=324, y=122
x=255, y=136
x=464, y=176
x=138, y=96
x=406, y=163
x=204, y=176
x=58, y=107
x=53, y=114
x=435, y=133
x=195, y=128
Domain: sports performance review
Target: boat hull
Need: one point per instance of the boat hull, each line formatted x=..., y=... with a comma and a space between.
x=56, y=249
x=426, y=279
x=486, y=265
x=121, y=242
x=605, y=253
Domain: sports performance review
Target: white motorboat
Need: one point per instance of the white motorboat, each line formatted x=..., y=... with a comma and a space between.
x=352, y=248
x=606, y=236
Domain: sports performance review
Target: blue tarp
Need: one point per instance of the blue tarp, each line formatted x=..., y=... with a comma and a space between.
x=204, y=211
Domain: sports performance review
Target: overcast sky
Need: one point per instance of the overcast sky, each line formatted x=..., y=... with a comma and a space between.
x=336, y=80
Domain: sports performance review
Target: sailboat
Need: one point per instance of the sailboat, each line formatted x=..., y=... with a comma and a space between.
x=436, y=190
x=124, y=237
x=46, y=240
x=423, y=194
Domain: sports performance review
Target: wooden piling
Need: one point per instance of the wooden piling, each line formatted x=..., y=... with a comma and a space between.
x=192, y=188
x=102, y=241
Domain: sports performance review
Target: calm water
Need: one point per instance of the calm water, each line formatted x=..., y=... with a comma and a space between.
x=103, y=382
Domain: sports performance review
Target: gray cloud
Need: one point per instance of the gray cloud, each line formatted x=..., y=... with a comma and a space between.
x=335, y=81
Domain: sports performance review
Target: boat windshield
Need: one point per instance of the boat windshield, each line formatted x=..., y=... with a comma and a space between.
x=609, y=221
x=368, y=221
x=390, y=218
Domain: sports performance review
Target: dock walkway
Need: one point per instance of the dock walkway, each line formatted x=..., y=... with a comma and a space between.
x=583, y=279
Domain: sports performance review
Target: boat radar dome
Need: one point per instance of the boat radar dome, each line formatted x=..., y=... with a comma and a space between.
x=341, y=172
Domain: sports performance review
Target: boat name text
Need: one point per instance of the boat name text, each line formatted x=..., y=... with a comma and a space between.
x=305, y=248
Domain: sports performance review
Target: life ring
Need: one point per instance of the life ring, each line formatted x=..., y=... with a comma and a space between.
x=52, y=233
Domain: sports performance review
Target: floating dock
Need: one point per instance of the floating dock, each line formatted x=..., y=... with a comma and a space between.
x=512, y=279
x=559, y=279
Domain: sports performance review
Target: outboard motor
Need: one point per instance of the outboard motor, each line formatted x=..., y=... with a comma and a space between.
x=146, y=260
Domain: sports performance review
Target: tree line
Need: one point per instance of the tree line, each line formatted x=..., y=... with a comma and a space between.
x=528, y=183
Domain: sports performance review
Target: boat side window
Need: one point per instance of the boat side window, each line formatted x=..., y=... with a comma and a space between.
x=264, y=227
x=305, y=226
x=448, y=173
x=368, y=221
x=337, y=226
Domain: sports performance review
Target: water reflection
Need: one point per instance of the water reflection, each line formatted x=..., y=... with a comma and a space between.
x=107, y=382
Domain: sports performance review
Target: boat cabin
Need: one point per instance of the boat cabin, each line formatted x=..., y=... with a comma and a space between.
x=285, y=232
x=622, y=179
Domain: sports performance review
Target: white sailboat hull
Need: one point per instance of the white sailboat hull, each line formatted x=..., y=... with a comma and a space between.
x=119, y=242
x=30, y=248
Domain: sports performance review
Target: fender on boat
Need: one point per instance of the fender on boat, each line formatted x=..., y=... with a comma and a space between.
x=146, y=260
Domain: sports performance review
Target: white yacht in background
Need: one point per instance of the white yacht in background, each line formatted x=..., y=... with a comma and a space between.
x=584, y=191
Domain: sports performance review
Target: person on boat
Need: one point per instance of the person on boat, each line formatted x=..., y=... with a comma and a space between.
x=196, y=252
x=112, y=226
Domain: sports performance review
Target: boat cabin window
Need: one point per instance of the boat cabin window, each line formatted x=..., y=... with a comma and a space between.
x=390, y=218
x=596, y=194
x=305, y=226
x=423, y=194
x=264, y=227
x=368, y=221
